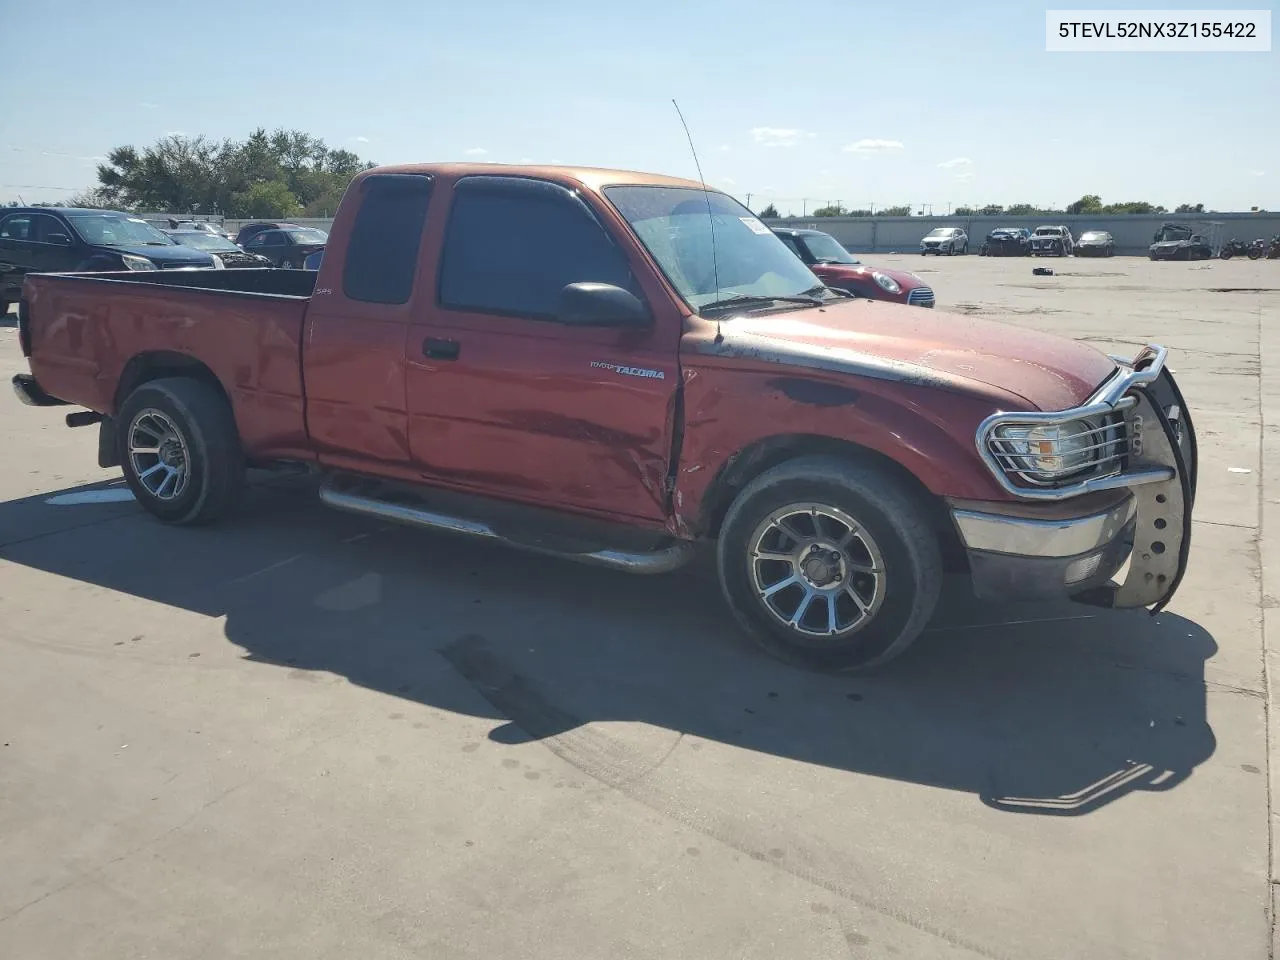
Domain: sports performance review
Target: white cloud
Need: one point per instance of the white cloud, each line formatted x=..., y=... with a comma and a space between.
x=476, y=152
x=360, y=139
x=962, y=177
x=873, y=146
x=779, y=136
x=149, y=106
x=1258, y=173
x=955, y=162
x=526, y=160
x=724, y=148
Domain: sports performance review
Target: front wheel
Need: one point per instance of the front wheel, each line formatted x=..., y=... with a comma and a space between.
x=828, y=564
x=1254, y=253
x=1226, y=253
x=180, y=450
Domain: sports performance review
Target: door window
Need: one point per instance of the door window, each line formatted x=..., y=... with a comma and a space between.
x=514, y=244
x=382, y=252
x=17, y=227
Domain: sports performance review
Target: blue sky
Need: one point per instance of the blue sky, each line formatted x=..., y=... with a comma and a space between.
x=923, y=102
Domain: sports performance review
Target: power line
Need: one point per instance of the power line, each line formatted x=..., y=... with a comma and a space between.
x=37, y=186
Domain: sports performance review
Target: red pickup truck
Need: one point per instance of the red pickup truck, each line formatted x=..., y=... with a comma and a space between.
x=614, y=366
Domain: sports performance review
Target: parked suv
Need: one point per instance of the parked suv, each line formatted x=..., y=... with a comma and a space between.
x=251, y=230
x=1055, y=241
x=62, y=239
x=948, y=240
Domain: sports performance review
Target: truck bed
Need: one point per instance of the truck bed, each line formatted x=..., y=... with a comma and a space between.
x=87, y=333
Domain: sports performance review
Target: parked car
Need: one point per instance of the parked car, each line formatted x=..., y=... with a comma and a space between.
x=218, y=246
x=250, y=230
x=1176, y=241
x=1007, y=242
x=289, y=247
x=838, y=268
x=60, y=239
x=570, y=357
x=948, y=240
x=1053, y=241
x=1096, y=243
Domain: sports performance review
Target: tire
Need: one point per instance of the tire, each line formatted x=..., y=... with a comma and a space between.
x=1226, y=253
x=195, y=439
x=894, y=534
x=1255, y=253
x=964, y=251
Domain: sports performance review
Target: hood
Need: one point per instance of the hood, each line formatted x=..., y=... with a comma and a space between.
x=889, y=341
x=1169, y=244
x=173, y=254
x=846, y=271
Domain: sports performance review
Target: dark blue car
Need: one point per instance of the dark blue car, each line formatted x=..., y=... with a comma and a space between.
x=62, y=239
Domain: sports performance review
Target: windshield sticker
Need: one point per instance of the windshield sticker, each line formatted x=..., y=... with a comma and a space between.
x=629, y=371
x=755, y=226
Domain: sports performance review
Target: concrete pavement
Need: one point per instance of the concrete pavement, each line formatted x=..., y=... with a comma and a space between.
x=304, y=734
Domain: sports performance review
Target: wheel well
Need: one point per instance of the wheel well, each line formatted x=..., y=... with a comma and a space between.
x=158, y=364
x=746, y=465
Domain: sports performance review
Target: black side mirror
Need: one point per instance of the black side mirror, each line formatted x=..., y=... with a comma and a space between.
x=61, y=239
x=601, y=305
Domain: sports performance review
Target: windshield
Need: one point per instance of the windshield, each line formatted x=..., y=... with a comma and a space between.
x=825, y=248
x=203, y=241
x=1174, y=233
x=1094, y=235
x=1046, y=231
x=942, y=232
x=673, y=225
x=117, y=230
x=308, y=236
x=1007, y=230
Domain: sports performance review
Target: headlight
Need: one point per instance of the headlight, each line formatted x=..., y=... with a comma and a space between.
x=888, y=284
x=217, y=262
x=1047, y=452
x=136, y=263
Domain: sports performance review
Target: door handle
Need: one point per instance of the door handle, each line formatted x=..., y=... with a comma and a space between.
x=440, y=349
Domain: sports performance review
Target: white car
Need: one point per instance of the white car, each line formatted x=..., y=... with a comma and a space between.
x=948, y=240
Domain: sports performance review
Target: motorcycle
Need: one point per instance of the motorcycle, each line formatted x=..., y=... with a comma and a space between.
x=1257, y=249
x=1233, y=247
x=1273, y=249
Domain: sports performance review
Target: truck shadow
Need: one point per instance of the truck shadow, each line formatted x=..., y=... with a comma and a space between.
x=1049, y=710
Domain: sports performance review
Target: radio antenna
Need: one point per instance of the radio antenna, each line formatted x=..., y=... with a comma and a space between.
x=711, y=220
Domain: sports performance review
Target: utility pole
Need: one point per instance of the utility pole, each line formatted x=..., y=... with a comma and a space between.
x=804, y=207
x=749, y=203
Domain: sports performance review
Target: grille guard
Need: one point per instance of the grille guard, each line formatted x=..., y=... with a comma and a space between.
x=1162, y=470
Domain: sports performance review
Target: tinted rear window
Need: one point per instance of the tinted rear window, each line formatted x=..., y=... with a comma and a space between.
x=382, y=252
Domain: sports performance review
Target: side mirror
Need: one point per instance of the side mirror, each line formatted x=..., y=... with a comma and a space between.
x=601, y=305
x=61, y=239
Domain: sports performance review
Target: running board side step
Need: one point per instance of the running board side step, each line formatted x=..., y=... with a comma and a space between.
x=662, y=560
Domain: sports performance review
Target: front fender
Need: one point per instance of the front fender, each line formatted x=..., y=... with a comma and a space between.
x=730, y=413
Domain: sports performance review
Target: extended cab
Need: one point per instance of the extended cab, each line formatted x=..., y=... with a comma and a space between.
x=613, y=366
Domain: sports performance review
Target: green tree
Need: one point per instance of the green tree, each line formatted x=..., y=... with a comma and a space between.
x=1133, y=206
x=1089, y=203
x=1189, y=208
x=992, y=210
x=900, y=211
x=184, y=174
x=769, y=213
x=964, y=211
x=266, y=200
x=831, y=210
x=1022, y=210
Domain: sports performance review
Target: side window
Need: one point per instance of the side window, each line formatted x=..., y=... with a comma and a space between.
x=512, y=246
x=794, y=246
x=273, y=238
x=17, y=227
x=382, y=251
x=254, y=241
x=48, y=229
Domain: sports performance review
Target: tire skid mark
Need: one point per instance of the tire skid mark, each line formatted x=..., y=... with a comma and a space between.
x=607, y=761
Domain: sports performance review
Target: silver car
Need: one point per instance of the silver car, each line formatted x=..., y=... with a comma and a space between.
x=948, y=240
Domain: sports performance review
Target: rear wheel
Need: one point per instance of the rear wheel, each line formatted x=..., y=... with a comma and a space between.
x=828, y=564
x=180, y=450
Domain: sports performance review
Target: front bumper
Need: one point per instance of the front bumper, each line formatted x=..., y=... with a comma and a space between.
x=1033, y=553
x=1070, y=541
